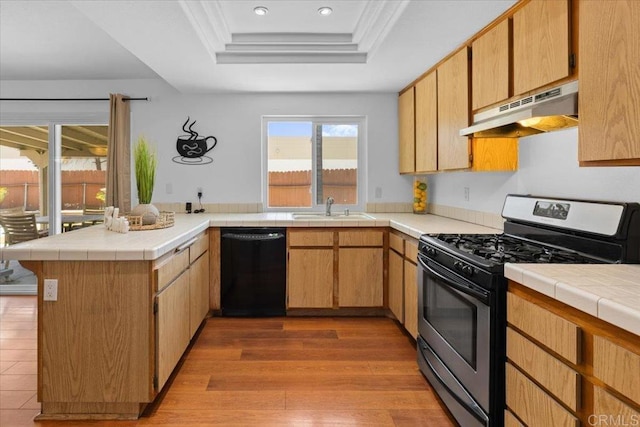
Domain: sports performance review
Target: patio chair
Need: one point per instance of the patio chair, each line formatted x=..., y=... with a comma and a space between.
x=20, y=228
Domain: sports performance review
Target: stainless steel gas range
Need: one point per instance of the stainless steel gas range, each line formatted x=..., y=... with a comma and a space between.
x=462, y=290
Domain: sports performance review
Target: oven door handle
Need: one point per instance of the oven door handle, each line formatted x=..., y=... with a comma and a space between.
x=476, y=293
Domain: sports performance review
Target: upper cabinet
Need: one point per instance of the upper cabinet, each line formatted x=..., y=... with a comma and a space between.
x=609, y=101
x=453, y=111
x=490, y=65
x=427, y=124
x=541, y=44
x=406, y=132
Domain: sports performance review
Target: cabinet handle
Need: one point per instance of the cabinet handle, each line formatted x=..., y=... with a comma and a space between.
x=186, y=244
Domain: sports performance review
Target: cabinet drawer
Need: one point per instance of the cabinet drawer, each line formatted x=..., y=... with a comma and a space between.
x=360, y=238
x=311, y=238
x=555, y=376
x=617, y=367
x=199, y=247
x=616, y=411
x=411, y=251
x=551, y=330
x=532, y=405
x=171, y=269
x=510, y=420
x=396, y=243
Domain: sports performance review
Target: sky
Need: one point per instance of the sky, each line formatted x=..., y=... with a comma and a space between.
x=277, y=128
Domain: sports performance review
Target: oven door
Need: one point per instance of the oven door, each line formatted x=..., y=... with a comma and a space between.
x=454, y=319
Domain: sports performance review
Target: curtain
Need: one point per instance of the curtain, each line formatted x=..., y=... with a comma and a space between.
x=119, y=154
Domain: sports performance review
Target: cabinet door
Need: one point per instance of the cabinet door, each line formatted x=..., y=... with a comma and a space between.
x=490, y=67
x=198, y=292
x=406, y=132
x=396, y=285
x=426, y=129
x=411, y=298
x=453, y=112
x=360, y=277
x=310, y=278
x=541, y=44
x=609, y=100
x=172, y=327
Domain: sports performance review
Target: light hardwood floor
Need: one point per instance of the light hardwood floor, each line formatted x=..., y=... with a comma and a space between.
x=292, y=371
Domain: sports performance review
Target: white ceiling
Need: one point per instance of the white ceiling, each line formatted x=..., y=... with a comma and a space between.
x=205, y=46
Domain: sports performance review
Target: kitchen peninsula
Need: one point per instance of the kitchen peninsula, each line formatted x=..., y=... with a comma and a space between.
x=129, y=304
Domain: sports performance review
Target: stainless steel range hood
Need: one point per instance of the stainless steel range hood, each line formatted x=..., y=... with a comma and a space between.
x=546, y=111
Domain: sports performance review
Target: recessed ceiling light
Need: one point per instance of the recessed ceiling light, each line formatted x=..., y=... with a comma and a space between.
x=260, y=10
x=325, y=11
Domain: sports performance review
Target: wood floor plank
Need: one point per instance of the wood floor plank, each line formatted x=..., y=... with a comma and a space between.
x=328, y=354
x=394, y=367
x=318, y=382
x=268, y=418
x=224, y=400
x=275, y=334
x=420, y=418
x=317, y=400
x=259, y=368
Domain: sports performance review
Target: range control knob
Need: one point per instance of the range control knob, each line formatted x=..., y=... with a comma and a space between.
x=468, y=270
x=431, y=252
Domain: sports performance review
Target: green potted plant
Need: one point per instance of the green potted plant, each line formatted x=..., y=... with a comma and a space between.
x=145, y=162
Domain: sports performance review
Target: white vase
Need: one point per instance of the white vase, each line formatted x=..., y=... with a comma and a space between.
x=148, y=212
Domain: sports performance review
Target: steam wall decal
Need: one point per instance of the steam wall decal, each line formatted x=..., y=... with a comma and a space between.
x=192, y=147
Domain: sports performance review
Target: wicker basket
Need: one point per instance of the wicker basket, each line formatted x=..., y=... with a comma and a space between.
x=165, y=220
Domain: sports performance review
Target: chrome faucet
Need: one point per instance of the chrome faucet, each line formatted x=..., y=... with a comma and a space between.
x=328, y=205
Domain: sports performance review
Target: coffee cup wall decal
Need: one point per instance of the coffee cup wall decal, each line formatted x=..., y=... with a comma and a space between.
x=192, y=147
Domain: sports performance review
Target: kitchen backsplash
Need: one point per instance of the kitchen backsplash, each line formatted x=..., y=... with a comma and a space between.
x=488, y=219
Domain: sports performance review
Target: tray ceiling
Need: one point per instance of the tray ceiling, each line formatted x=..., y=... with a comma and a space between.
x=204, y=46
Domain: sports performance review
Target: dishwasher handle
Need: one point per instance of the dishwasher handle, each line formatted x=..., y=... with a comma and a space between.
x=251, y=237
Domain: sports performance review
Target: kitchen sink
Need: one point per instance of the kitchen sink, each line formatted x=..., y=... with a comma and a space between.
x=334, y=216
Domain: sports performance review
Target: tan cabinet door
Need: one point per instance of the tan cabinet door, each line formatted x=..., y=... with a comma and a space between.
x=490, y=67
x=541, y=45
x=360, y=277
x=406, y=132
x=198, y=292
x=172, y=327
x=427, y=124
x=453, y=112
x=396, y=285
x=609, y=100
x=310, y=278
x=411, y=298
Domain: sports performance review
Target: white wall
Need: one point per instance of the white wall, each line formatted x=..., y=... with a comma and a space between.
x=234, y=176
x=548, y=166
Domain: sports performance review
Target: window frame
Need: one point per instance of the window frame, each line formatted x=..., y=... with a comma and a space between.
x=361, y=179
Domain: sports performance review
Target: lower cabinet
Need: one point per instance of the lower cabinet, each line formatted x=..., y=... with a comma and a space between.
x=128, y=323
x=403, y=291
x=567, y=368
x=172, y=326
x=332, y=268
x=181, y=302
x=360, y=277
x=310, y=278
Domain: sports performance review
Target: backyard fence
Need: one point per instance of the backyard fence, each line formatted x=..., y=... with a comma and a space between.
x=79, y=189
x=293, y=189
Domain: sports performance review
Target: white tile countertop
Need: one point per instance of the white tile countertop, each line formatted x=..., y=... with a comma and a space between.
x=98, y=244
x=610, y=292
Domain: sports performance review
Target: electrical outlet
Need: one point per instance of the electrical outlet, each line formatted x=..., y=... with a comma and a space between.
x=50, y=290
x=199, y=192
x=466, y=194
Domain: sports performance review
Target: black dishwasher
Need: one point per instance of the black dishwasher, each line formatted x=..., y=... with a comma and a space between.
x=253, y=271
